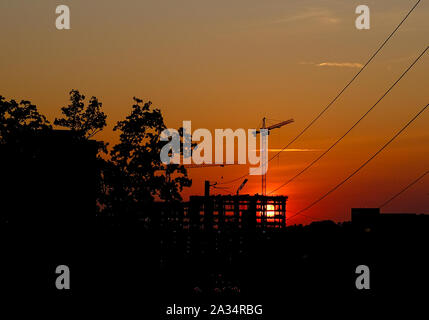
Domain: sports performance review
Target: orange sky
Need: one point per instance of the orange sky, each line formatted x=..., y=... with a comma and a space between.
x=226, y=64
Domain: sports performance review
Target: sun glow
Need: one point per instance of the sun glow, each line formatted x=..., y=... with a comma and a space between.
x=270, y=211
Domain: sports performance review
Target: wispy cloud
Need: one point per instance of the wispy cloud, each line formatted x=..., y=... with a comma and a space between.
x=321, y=15
x=292, y=150
x=340, y=64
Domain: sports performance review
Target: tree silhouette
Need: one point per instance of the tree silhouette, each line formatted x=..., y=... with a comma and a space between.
x=19, y=119
x=85, y=121
x=136, y=176
x=133, y=176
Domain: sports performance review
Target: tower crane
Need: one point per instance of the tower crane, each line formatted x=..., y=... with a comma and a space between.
x=264, y=146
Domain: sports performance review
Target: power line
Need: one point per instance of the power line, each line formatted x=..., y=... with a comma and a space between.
x=363, y=165
x=349, y=83
x=338, y=95
x=403, y=190
x=352, y=127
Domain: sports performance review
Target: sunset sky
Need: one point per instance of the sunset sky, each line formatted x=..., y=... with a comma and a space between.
x=227, y=64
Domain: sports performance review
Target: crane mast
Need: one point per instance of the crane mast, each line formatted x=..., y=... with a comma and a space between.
x=264, y=160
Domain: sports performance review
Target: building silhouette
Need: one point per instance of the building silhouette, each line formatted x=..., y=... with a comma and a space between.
x=47, y=207
x=48, y=182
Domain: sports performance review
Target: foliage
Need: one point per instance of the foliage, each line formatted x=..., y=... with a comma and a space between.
x=133, y=177
x=85, y=121
x=136, y=176
x=19, y=119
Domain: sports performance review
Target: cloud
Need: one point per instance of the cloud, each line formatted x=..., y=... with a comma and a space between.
x=340, y=64
x=293, y=150
x=321, y=15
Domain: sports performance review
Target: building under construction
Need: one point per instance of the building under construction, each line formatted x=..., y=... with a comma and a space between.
x=217, y=229
x=226, y=213
x=235, y=212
